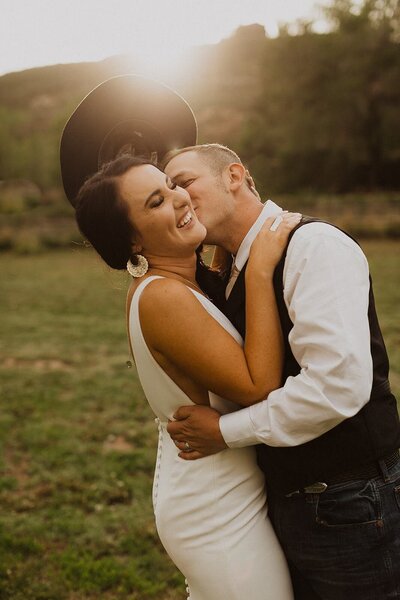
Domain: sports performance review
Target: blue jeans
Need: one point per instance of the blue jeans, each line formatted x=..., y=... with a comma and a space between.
x=345, y=542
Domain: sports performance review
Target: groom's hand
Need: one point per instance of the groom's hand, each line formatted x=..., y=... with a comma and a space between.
x=196, y=432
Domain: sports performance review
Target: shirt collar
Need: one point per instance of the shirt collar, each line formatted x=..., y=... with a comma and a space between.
x=269, y=209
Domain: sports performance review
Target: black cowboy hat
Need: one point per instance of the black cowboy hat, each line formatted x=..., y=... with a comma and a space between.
x=128, y=113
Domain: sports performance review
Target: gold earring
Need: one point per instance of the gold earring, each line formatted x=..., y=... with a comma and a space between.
x=140, y=269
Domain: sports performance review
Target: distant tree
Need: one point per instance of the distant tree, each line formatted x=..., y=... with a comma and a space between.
x=349, y=16
x=370, y=33
x=304, y=110
x=327, y=114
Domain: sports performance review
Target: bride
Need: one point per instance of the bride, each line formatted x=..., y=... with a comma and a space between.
x=211, y=514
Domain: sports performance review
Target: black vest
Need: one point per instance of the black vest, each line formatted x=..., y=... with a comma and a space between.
x=368, y=436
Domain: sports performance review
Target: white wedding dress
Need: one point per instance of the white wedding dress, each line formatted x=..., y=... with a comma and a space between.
x=211, y=513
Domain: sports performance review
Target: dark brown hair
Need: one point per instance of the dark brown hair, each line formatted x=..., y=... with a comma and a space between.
x=102, y=216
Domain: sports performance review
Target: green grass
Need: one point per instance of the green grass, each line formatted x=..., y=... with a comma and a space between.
x=78, y=439
x=384, y=260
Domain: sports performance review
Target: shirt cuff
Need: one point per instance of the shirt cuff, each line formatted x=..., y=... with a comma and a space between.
x=237, y=429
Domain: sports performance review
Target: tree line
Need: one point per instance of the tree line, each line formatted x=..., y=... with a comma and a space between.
x=305, y=110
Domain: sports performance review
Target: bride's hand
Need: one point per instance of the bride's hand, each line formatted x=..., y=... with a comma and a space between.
x=266, y=250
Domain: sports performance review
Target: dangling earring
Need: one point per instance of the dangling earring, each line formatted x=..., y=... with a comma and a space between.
x=140, y=269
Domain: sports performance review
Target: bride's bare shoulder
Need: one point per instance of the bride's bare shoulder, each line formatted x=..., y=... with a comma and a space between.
x=160, y=289
x=165, y=305
x=165, y=289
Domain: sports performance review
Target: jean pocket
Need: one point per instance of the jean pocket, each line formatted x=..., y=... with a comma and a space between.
x=355, y=503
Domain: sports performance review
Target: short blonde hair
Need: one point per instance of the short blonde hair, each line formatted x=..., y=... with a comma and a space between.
x=215, y=155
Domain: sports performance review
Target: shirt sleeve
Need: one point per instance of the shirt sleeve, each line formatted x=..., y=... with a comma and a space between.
x=326, y=291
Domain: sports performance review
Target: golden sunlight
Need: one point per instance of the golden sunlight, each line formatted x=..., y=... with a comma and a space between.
x=156, y=33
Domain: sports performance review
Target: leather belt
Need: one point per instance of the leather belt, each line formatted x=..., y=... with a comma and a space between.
x=367, y=472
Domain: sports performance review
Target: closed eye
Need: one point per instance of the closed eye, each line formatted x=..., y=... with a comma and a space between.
x=157, y=202
x=186, y=183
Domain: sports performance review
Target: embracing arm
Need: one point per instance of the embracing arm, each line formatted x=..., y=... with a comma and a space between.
x=186, y=335
x=326, y=292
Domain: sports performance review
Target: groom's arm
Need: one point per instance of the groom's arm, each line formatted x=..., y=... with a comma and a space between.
x=326, y=290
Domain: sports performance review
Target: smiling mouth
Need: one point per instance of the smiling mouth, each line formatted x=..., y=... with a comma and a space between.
x=186, y=219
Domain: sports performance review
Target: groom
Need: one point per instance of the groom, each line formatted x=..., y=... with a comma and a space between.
x=328, y=439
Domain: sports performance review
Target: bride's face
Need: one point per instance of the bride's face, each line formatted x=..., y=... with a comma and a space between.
x=161, y=213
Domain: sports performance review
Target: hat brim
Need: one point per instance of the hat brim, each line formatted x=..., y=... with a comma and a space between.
x=128, y=112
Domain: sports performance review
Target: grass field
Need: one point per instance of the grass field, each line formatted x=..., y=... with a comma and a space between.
x=77, y=438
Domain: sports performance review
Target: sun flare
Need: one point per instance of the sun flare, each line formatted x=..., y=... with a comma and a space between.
x=157, y=34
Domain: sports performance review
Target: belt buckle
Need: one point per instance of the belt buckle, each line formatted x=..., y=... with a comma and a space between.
x=316, y=488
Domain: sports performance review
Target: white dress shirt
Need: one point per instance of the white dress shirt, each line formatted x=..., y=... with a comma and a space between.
x=326, y=291
x=270, y=209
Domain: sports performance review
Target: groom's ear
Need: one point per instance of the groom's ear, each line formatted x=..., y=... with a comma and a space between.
x=236, y=174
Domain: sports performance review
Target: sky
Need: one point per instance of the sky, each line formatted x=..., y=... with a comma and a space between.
x=43, y=32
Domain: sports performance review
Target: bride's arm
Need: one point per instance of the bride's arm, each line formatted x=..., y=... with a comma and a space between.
x=176, y=326
x=263, y=344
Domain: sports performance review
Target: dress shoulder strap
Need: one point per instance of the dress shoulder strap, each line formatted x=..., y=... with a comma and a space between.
x=132, y=309
x=136, y=294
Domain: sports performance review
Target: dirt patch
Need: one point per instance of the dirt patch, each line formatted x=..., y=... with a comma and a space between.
x=39, y=364
x=117, y=443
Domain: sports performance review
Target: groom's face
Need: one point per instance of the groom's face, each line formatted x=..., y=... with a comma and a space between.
x=208, y=191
